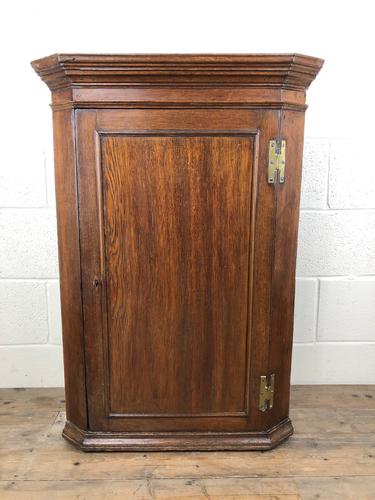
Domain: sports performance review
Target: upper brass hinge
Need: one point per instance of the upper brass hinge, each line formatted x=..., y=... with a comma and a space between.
x=266, y=391
x=276, y=161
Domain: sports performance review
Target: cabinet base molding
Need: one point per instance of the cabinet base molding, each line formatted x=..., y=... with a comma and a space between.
x=177, y=441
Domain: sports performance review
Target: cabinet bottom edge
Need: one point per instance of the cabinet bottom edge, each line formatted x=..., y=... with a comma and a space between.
x=177, y=441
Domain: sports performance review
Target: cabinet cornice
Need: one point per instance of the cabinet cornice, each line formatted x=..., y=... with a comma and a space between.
x=288, y=71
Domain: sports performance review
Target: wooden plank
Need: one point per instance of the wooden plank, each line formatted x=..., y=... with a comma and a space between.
x=19, y=444
x=27, y=400
x=249, y=489
x=331, y=488
x=336, y=488
x=25, y=417
x=333, y=396
x=23, y=436
x=331, y=456
x=299, y=458
x=340, y=424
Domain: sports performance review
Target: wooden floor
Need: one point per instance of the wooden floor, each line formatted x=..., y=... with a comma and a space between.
x=331, y=455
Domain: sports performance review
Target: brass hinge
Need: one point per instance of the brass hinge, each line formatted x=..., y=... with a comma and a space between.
x=276, y=161
x=266, y=391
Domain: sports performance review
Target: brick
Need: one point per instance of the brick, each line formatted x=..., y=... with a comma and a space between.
x=351, y=175
x=23, y=312
x=22, y=178
x=54, y=312
x=29, y=242
x=31, y=366
x=23, y=185
x=346, y=310
x=50, y=175
x=336, y=243
x=315, y=174
x=305, y=310
x=333, y=363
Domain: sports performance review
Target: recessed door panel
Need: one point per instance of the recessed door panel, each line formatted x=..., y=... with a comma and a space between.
x=176, y=220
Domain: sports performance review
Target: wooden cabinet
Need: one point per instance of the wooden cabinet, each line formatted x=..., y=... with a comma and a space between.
x=177, y=228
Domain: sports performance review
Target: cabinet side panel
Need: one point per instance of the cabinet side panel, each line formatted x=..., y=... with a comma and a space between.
x=264, y=251
x=69, y=264
x=286, y=230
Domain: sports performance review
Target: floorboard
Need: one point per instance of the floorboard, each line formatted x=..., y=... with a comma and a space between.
x=331, y=455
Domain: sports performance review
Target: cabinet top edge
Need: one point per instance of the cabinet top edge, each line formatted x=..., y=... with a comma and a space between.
x=270, y=70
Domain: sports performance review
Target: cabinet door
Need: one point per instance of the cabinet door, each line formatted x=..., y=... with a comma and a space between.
x=167, y=214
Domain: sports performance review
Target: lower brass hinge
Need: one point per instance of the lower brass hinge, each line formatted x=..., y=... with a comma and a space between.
x=276, y=161
x=266, y=391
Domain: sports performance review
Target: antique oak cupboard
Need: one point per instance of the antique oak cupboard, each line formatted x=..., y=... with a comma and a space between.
x=177, y=184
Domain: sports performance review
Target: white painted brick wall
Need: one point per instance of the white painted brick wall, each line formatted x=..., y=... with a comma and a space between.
x=335, y=293
x=336, y=243
x=23, y=187
x=54, y=312
x=351, y=175
x=335, y=312
x=306, y=304
x=28, y=240
x=347, y=309
x=314, y=192
x=23, y=312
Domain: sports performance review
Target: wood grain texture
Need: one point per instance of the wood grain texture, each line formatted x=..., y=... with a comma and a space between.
x=283, y=70
x=177, y=258
x=198, y=97
x=177, y=249
x=70, y=266
x=222, y=122
x=327, y=459
x=286, y=216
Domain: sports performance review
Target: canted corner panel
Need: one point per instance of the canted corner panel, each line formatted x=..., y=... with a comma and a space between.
x=176, y=244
